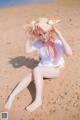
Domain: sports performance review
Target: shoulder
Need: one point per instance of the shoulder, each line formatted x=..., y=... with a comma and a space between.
x=38, y=43
x=58, y=41
x=59, y=45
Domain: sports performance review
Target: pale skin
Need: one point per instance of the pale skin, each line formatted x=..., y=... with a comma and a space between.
x=37, y=75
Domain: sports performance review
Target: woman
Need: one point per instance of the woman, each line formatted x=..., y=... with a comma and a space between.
x=50, y=49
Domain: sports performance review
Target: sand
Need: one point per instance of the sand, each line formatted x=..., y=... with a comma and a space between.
x=61, y=95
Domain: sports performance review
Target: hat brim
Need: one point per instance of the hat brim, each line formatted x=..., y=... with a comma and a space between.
x=44, y=25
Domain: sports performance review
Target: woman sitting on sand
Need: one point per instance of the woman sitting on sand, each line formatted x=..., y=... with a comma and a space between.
x=50, y=46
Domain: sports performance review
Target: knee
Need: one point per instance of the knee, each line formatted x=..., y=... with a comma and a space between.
x=29, y=74
x=36, y=69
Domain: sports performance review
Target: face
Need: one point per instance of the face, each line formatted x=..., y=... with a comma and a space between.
x=44, y=35
x=48, y=34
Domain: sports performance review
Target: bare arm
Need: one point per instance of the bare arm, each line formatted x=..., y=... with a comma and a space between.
x=28, y=47
x=67, y=48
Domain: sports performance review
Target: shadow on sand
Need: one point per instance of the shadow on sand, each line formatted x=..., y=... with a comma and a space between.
x=28, y=62
x=23, y=61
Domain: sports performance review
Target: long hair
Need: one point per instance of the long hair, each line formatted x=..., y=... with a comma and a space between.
x=49, y=36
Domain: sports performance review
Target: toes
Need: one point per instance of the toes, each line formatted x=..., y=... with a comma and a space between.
x=7, y=106
x=6, y=109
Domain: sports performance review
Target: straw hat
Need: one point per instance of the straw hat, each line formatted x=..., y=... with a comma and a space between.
x=43, y=23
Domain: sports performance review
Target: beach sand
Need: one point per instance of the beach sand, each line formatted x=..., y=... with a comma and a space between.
x=61, y=95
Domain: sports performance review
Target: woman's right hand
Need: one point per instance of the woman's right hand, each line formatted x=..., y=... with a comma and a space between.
x=28, y=32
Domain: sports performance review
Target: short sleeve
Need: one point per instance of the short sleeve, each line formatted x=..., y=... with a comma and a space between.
x=37, y=44
x=59, y=46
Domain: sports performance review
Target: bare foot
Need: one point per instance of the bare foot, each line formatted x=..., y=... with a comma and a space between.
x=34, y=105
x=9, y=103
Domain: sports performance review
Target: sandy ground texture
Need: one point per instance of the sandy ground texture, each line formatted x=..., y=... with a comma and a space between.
x=62, y=95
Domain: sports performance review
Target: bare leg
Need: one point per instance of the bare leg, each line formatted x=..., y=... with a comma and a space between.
x=23, y=84
x=39, y=73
